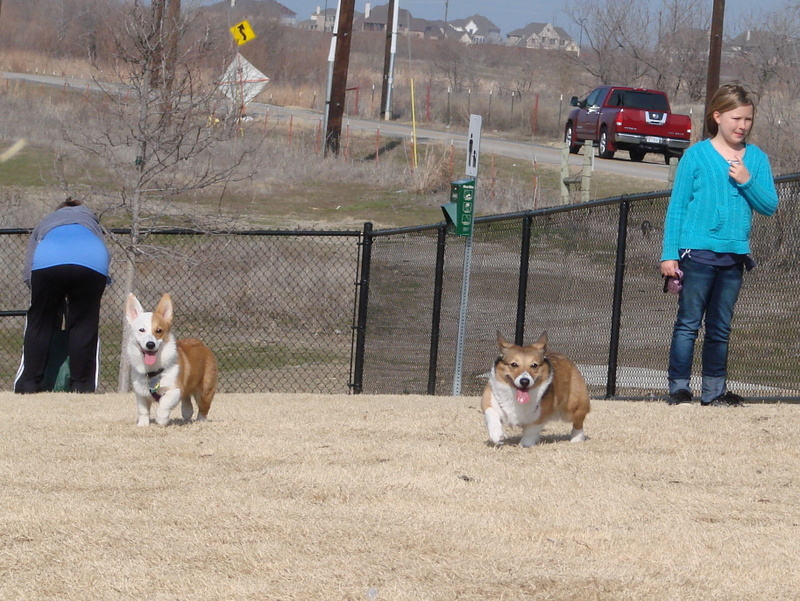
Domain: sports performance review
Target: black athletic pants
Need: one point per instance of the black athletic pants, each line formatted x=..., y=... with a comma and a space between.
x=82, y=288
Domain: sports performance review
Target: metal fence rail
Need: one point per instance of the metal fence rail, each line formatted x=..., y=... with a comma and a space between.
x=377, y=311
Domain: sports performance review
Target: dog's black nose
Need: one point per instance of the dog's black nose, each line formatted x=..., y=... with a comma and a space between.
x=524, y=383
x=150, y=345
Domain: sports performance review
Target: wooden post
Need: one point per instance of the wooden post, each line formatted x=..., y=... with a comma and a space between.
x=564, y=173
x=673, y=166
x=586, y=177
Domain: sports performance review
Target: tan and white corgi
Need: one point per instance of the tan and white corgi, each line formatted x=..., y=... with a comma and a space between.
x=530, y=386
x=164, y=370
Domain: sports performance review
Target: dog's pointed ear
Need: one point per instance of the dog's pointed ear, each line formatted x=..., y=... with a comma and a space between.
x=164, y=307
x=502, y=344
x=542, y=342
x=133, y=308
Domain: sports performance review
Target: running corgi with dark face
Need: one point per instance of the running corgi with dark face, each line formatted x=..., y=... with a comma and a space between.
x=164, y=370
x=530, y=386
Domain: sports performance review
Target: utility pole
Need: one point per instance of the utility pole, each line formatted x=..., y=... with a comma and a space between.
x=714, y=55
x=388, y=63
x=341, y=63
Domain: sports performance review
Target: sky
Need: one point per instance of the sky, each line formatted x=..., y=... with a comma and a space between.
x=510, y=14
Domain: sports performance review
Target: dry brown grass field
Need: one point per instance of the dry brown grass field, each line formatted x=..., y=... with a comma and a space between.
x=300, y=497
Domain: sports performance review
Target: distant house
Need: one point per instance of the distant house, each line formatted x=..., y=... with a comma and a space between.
x=429, y=30
x=476, y=29
x=473, y=30
x=761, y=42
x=375, y=19
x=541, y=36
x=321, y=20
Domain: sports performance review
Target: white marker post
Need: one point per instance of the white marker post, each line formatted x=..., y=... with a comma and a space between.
x=473, y=154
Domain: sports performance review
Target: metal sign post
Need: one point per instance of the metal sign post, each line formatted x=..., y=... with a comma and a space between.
x=473, y=154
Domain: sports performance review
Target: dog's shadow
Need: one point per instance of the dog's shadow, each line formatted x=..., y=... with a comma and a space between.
x=176, y=421
x=513, y=441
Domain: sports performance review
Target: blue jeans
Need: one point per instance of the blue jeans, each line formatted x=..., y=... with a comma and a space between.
x=712, y=292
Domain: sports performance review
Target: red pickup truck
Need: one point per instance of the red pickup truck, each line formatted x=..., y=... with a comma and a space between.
x=632, y=119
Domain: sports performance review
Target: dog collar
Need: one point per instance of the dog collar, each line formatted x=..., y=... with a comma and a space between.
x=154, y=383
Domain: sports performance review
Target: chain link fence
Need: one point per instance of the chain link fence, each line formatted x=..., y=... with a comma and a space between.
x=275, y=307
x=588, y=275
x=378, y=311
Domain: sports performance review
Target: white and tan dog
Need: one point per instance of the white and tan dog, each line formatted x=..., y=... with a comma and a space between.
x=530, y=386
x=165, y=370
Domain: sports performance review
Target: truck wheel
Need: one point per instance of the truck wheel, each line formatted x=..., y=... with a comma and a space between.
x=569, y=139
x=637, y=155
x=605, y=153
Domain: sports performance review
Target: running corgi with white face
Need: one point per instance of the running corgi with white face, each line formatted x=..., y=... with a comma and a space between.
x=164, y=370
x=530, y=386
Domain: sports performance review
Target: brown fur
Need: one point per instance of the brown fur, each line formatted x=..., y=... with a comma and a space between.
x=198, y=373
x=565, y=397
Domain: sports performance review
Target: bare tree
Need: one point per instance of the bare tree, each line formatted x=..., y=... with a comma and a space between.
x=766, y=53
x=161, y=127
x=620, y=34
x=680, y=62
x=452, y=61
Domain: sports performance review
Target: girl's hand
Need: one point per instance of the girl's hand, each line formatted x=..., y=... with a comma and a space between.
x=738, y=172
x=669, y=269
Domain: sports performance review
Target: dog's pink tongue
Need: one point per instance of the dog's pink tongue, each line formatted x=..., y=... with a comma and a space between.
x=149, y=357
x=523, y=395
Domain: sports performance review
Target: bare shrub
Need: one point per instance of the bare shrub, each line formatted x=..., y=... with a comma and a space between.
x=432, y=172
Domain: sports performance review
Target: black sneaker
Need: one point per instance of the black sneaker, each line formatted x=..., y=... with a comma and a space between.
x=679, y=397
x=728, y=399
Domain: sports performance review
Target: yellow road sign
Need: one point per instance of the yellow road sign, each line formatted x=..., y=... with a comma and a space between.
x=243, y=33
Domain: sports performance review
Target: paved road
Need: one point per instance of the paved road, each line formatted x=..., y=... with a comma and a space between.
x=655, y=170
x=526, y=151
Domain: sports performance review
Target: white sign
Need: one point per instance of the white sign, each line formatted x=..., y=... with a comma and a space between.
x=474, y=144
x=242, y=81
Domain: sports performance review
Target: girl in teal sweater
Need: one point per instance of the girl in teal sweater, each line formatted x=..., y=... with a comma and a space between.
x=719, y=183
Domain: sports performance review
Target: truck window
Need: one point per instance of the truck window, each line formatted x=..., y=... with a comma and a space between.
x=594, y=98
x=645, y=101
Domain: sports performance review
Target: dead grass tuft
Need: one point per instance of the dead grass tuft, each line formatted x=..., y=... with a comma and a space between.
x=340, y=497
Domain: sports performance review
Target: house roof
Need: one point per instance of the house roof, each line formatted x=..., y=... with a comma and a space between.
x=380, y=15
x=529, y=30
x=484, y=25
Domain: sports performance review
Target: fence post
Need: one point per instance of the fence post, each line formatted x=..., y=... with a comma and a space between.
x=564, y=173
x=357, y=384
x=673, y=167
x=616, y=308
x=586, y=177
x=436, y=314
x=522, y=290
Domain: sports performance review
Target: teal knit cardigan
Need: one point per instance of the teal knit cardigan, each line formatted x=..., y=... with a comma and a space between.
x=708, y=210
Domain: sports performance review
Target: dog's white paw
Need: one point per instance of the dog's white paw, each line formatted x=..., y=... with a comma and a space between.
x=201, y=418
x=144, y=420
x=494, y=427
x=577, y=436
